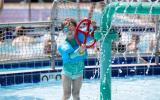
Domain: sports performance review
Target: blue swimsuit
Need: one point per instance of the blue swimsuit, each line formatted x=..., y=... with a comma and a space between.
x=73, y=61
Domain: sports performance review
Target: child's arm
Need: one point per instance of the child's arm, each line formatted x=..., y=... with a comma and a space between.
x=64, y=50
x=81, y=52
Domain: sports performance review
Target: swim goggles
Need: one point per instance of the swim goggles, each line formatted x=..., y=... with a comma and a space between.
x=65, y=29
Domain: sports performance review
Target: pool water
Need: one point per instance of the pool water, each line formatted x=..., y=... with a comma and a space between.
x=123, y=88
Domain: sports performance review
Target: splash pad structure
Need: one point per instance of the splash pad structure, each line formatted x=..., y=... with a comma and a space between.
x=106, y=33
x=109, y=35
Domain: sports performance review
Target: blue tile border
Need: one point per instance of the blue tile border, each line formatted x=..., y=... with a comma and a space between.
x=88, y=62
x=35, y=77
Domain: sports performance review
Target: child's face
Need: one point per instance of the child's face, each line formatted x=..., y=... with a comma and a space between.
x=71, y=32
x=71, y=27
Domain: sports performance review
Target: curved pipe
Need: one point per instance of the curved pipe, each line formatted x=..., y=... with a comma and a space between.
x=108, y=12
x=125, y=7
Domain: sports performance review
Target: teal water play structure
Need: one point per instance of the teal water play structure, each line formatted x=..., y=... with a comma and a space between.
x=106, y=34
x=109, y=34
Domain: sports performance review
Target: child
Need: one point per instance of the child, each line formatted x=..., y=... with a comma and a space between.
x=73, y=57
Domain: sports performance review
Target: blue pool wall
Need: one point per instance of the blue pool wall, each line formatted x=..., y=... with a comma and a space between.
x=88, y=62
x=35, y=77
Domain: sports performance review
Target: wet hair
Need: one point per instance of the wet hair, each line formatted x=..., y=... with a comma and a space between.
x=70, y=21
x=73, y=21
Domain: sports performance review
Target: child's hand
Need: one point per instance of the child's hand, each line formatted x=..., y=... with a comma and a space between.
x=82, y=48
x=94, y=24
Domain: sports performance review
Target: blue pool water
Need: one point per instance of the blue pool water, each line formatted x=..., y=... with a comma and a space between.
x=123, y=88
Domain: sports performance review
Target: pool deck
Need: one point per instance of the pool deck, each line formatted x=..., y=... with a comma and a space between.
x=49, y=5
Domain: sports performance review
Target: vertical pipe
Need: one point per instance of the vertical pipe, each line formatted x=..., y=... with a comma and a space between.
x=105, y=70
